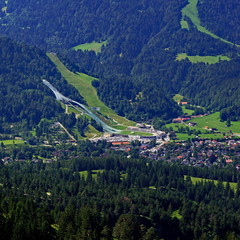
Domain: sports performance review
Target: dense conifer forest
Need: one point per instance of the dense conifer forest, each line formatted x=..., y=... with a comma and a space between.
x=24, y=97
x=82, y=196
x=55, y=186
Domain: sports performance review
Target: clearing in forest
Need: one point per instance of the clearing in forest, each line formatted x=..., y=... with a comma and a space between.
x=191, y=11
x=203, y=59
x=93, y=46
x=204, y=124
x=196, y=180
x=83, y=83
x=12, y=142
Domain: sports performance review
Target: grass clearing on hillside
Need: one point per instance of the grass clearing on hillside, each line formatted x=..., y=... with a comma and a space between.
x=83, y=83
x=210, y=121
x=203, y=59
x=184, y=25
x=187, y=111
x=191, y=11
x=177, y=98
x=195, y=180
x=185, y=136
x=93, y=46
x=94, y=173
x=11, y=142
x=176, y=214
x=213, y=121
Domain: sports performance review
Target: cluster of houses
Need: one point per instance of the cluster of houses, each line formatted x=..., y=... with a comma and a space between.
x=203, y=153
x=198, y=153
x=185, y=118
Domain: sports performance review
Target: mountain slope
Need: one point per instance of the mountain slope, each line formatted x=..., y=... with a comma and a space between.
x=137, y=68
x=23, y=96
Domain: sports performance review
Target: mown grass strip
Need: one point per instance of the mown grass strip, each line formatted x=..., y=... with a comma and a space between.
x=191, y=11
x=11, y=142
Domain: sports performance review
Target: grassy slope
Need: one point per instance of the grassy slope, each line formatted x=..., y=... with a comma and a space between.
x=204, y=59
x=195, y=180
x=93, y=46
x=94, y=173
x=191, y=11
x=178, y=98
x=187, y=111
x=176, y=214
x=83, y=83
x=11, y=142
x=212, y=121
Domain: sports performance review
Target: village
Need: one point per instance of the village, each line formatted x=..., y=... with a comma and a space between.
x=155, y=144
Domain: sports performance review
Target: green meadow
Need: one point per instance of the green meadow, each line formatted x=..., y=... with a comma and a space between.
x=203, y=59
x=93, y=46
x=177, y=98
x=176, y=214
x=185, y=136
x=213, y=121
x=83, y=83
x=210, y=121
x=11, y=142
x=94, y=173
x=187, y=111
x=196, y=180
x=191, y=11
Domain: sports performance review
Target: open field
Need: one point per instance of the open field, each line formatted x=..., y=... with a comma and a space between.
x=177, y=98
x=11, y=142
x=191, y=12
x=176, y=214
x=94, y=173
x=203, y=59
x=55, y=226
x=185, y=136
x=83, y=83
x=93, y=46
x=195, y=180
x=187, y=111
x=211, y=121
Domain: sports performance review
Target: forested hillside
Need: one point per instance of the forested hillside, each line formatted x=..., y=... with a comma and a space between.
x=139, y=66
x=23, y=96
x=221, y=18
x=88, y=197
